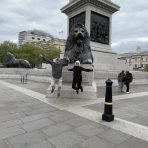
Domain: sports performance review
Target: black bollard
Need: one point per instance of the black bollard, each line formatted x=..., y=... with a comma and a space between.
x=108, y=115
x=26, y=78
x=21, y=78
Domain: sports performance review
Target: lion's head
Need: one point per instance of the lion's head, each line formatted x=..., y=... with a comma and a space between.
x=78, y=45
x=78, y=34
x=9, y=58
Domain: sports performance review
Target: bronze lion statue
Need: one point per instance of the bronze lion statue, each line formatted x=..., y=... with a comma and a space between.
x=11, y=62
x=78, y=45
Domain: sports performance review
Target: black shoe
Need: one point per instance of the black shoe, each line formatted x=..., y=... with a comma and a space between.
x=81, y=89
x=52, y=90
x=77, y=91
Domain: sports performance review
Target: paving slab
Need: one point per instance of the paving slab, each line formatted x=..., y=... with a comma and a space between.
x=114, y=136
x=44, y=144
x=61, y=116
x=78, y=121
x=37, y=124
x=4, y=144
x=10, y=123
x=95, y=142
x=67, y=139
x=90, y=129
x=56, y=129
x=27, y=139
x=10, y=132
x=133, y=143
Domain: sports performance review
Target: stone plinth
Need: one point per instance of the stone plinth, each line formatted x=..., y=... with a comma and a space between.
x=96, y=15
x=108, y=61
x=92, y=13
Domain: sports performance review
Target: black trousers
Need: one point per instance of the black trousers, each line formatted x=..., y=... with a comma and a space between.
x=127, y=86
x=77, y=83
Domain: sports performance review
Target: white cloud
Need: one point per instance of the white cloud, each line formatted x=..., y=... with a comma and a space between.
x=130, y=44
x=20, y=15
x=129, y=24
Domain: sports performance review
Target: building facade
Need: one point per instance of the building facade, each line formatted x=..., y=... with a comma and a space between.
x=138, y=60
x=40, y=38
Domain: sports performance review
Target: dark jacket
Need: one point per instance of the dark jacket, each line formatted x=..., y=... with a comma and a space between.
x=77, y=71
x=56, y=67
x=121, y=76
x=128, y=78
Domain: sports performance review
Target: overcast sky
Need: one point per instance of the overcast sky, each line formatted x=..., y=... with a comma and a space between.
x=130, y=28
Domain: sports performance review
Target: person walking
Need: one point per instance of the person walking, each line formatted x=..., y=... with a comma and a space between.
x=77, y=76
x=121, y=76
x=127, y=80
x=57, y=67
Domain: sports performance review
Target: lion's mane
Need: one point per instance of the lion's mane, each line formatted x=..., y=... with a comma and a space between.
x=78, y=52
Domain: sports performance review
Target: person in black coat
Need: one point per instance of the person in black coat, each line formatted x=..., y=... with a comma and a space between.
x=127, y=80
x=121, y=76
x=77, y=76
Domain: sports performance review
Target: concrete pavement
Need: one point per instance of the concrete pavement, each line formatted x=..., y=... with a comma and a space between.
x=29, y=120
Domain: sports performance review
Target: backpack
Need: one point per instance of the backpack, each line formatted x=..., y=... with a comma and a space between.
x=128, y=78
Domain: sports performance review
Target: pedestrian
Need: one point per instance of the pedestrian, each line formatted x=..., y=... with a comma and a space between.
x=127, y=80
x=57, y=67
x=77, y=76
x=121, y=76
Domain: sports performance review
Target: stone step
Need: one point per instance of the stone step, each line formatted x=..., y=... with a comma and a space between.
x=89, y=92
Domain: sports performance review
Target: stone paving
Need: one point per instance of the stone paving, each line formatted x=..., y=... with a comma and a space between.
x=42, y=87
x=134, y=109
x=27, y=122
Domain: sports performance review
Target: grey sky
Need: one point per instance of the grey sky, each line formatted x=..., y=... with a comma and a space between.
x=129, y=24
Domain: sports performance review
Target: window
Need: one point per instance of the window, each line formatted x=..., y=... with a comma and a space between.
x=141, y=59
x=33, y=38
x=38, y=38
x=44, y=40
x=135, y=65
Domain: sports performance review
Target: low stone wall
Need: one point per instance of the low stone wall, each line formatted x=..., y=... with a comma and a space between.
x=114, y=74
x=39, y=75
x=20, y=71
x=29, y=77
x=44, y=75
